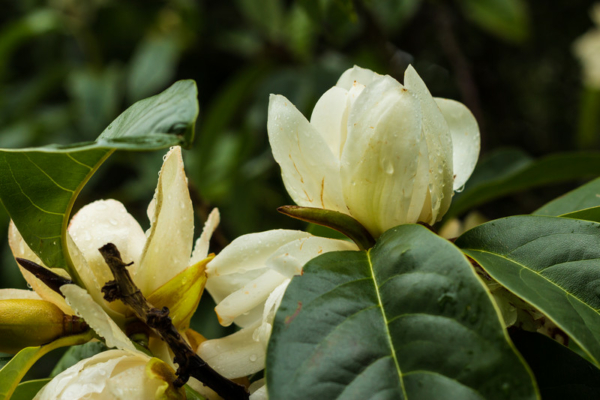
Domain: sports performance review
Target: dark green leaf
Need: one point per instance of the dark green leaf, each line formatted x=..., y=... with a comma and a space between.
x=505, y=18
x=38, y=186
x=586, y=196
x=28, y=390
x=560, y=373
x=335, y=220
x=510, y=171
x=408, y=319
x=551, y=263
x=76, y=354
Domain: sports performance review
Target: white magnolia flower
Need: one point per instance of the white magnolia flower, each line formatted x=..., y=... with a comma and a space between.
x=123, y=374
x=247, y=280
x=384, y=153
x=587, y=49
x=164, y=267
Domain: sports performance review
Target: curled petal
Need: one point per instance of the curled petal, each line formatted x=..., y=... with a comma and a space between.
x=381, y=158
x=465, y=139
x=20, y=249
x=253, y=294
x=439, y=144
x=169, y=245
x=290, y=258
x=330, y=117
x=258, y=390
x=96, y=317
x=201, y=248
x=356, y=74
x=309, y=169
x=102, y=222
x=236, y=355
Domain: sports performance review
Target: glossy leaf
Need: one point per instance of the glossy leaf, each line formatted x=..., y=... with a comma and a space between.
x=38, y=186
x=551, y=263
x=28, y=390
x=408, y=319
x=342, y=223
x=511, y=171
x=560, y=372
x=12, y=373
x=586, y=196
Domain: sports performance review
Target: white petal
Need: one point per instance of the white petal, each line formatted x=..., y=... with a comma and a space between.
x=202, y=244
x=253, y=294
x=96, y=317
x=102, y=222
x=263, y=332
x=290, y=258
x=250, y=252
x=356, y=74
x=258, y=390
x=439, y=144
x=236, y=355
x=133, y=382
x=84, y=379
x=420, y=195
x=169, y=246
x=381, y=156
x=330, y=117
x=20, y=249
x=465, y=139
x=203, y=390
x=8, y=294
x=309, y=169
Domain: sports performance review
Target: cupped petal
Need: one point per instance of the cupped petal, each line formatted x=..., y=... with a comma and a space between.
x=182, y=294
x=330, y=117
x=250, y=252
x=6, y=294
x=202, y=244
x=381, y=156
x=253, y=294
x=236, y=355
x=20, y=249
x=465, y=139
x=439, y=144
x=102, y=222
x=357, y=74
x=290, y=258
x=95, y=316
x=169, y=245
x=309, y=169
x=258, y=390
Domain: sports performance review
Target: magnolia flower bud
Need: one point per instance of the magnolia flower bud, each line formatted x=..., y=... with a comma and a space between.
x=28, y=322
x=111, y=375
x=587, y=49
x=384, y=153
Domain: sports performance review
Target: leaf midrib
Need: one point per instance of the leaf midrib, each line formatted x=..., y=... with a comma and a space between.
x=524, y=267
x=386, y=323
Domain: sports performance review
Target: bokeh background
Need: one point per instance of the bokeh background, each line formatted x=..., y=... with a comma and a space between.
x=69, y=67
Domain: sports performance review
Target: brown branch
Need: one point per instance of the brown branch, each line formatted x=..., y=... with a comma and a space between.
x=190, y=364
x=50, y=279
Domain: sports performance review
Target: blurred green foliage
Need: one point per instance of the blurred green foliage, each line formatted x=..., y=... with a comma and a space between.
x=69, y=67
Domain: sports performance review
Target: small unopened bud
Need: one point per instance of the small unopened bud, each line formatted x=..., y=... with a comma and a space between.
x=27, y=322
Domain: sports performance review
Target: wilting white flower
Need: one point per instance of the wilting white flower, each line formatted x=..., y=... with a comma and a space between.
x=247, y=280
x=384, y=153
x=587, y=49
x=162, y=267
x=126, y=373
